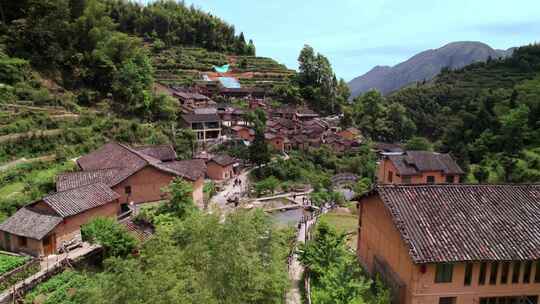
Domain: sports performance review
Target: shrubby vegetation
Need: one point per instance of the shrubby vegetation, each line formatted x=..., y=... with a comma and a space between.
x=26, y=183
x=242, y=260
x=315, y=167
x=107, y=232
x=336, y=275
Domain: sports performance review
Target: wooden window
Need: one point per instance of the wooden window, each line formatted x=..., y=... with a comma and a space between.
x=537, y=273
x=443, y=273
x=515, y=272
x=127, y=189
x=527, y=272
x=431, y=179
x=468, y=274
x=23, y=241
x=447, y=300
x=406, y=179
x=482, y=275
x=450, y=179
x=505, y=269
x=493, y=273
x=390, y=176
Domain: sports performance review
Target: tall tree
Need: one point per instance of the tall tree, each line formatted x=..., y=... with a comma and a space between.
x=259, y=153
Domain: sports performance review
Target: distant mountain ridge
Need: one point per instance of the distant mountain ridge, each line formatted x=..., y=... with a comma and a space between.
x=424, y=66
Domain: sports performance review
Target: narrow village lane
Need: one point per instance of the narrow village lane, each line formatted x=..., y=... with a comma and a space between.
x=230, y=191
x=296, y=270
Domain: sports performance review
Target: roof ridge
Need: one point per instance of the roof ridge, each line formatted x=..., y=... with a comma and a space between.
x=147, y=158
x=455, y=185
x=90, y=171
x=73, y=189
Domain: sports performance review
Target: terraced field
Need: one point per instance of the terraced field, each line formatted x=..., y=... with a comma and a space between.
x=185, y=66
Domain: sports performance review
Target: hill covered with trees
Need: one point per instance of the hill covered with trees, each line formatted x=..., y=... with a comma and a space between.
x=424, y=66
x=485, y=114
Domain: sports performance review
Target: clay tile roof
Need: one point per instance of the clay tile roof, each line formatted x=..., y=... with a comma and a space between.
x=458, y=222
x=126, y=161
x=224, y=160
x=388, y=147
x=190, y=169
x=161, y=152
x=31, y=223
x=416, y=162
x=188, y=95
x=71, y=180
x=112, y=155
x=71, y=202
x=200, y=117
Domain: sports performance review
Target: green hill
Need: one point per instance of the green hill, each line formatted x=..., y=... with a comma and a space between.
x=77, y=73
x=486, y=114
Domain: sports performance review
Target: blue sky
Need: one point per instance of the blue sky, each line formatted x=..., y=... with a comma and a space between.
x=357, y=35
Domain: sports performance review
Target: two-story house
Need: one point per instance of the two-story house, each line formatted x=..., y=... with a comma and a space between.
x=419, y=167
x=206, y=126
x=453, y=243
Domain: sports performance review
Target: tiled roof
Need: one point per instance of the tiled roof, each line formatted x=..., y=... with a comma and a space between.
x=203, y=111
x=30, y=222
x=416, y=162
x=388, y=147
x=194, y=96
x=161, y=152
x=71, y=202
x=224, y=160
x=127, y=161
x=200, y=118
x=458, y=222
x=190, y=169
x=71, y=180
x=112, y=155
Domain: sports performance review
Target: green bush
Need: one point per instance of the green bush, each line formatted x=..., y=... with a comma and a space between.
x=115, y=239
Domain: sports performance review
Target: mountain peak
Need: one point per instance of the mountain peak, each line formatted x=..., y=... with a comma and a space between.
x=424, y=66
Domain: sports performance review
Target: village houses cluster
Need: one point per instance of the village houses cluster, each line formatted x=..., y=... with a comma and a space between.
x=430, y=237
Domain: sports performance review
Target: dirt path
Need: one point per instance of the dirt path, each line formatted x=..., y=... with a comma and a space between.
x=296, y=269
x=231, y=191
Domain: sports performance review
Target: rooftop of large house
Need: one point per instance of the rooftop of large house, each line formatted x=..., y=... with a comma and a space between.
x=383, y=147
x=114, y=162
x=189, y=95
x=416, y=162
x=161, y=152
x=36, y=223
x=224, y=160
x=194, y=118
x=458, y=222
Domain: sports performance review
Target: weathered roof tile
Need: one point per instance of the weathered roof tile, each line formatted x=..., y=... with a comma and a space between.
x=459, y=222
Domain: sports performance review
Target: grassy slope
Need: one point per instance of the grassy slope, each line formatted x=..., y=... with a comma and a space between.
x=345, y=222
